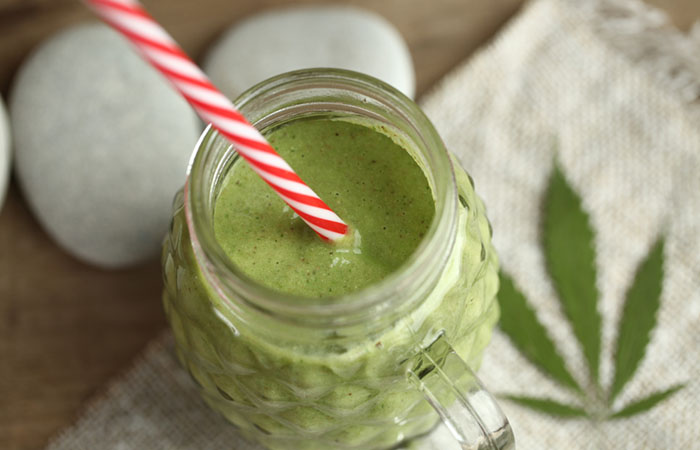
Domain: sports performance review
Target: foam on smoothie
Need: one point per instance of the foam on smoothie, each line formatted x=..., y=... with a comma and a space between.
x=368, y=179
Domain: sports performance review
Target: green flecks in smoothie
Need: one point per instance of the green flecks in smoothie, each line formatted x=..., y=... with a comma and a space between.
x=371, y=182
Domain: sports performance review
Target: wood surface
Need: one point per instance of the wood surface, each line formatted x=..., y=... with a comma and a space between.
x=67, y=328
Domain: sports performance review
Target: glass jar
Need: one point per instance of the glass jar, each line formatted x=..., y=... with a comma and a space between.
x=368, y=370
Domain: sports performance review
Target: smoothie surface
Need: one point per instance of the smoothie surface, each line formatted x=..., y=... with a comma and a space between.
x=369, y=180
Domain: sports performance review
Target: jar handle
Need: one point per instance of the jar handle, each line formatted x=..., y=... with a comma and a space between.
x=467, y=409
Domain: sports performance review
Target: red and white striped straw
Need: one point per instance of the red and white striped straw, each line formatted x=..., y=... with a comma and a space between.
x=158, y=48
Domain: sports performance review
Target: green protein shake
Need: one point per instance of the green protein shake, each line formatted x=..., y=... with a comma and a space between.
x=370, y=181
x=336, y=389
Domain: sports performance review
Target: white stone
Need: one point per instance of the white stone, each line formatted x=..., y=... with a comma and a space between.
x=281, y=40
x=4, y=153
x=101, y=145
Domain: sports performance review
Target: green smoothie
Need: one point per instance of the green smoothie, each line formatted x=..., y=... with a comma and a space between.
x=371, y=182
x=292, y=387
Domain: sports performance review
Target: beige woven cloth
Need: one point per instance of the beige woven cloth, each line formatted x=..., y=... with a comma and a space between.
x=615, y=92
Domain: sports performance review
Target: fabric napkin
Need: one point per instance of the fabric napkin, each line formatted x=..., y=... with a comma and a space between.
x=611, y=91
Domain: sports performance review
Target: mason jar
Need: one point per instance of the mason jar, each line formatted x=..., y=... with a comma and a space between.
x=368, y=370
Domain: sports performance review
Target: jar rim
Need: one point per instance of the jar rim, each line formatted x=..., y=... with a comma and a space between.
x=423, y=266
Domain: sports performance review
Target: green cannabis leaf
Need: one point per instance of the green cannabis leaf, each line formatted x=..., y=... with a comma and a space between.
x=638, y=318
x=569, y=250
x=519, y=322
x=548, y=406
x=646, y=403
x=570, y=256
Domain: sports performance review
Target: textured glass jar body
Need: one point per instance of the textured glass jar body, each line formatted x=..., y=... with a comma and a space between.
x=307, y=376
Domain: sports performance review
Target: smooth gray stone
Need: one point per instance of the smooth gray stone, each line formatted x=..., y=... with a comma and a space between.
x=5, y=149
x=281, y=40
x=101, y=145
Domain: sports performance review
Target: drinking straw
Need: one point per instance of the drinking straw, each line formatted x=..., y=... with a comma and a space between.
x=130, y=19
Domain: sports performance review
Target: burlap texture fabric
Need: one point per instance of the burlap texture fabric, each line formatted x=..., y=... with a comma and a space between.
x=611, y=91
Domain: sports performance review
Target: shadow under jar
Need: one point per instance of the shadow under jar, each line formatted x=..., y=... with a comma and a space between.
x=371, y=369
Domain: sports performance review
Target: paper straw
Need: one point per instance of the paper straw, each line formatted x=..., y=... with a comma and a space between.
x=130, y=19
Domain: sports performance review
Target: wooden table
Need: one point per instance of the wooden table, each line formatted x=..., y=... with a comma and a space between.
x=67, y=328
